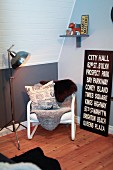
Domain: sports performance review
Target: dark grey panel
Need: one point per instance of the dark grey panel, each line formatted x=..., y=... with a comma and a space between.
x=29, y=75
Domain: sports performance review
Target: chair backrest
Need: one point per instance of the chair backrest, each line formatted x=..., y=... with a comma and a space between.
x=66, y=102
x=63, y=88
x=63, y=91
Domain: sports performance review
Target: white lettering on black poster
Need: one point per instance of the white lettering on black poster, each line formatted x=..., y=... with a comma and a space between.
x=96, y=90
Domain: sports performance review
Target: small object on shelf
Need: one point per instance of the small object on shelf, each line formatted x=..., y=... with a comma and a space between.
x=75, y=30
x=78, y=30
x=84, y=24
x=68, y=32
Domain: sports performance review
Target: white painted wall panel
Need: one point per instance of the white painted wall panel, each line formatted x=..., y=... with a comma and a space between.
x=100, y=38
x=33, y=26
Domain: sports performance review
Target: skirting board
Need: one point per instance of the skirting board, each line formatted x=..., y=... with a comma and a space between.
x=5, y=131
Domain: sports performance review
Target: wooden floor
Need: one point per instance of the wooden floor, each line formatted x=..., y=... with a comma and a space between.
x=89, y=151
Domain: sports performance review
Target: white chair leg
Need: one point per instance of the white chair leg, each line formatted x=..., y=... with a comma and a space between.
x=29, y=133
x=73, y=131
x=28, y=129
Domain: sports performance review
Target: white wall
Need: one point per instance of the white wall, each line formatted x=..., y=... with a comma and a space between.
x=33, y=26
x=71, y=61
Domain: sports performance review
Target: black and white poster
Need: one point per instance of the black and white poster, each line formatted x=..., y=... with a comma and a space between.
x=96, y=94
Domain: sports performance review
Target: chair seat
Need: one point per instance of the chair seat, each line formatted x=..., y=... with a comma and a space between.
x=66, y=117
x=33, y=117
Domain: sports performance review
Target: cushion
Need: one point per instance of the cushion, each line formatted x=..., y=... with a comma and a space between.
x=3, y=158
x=37, y=157
x=18, y=166
x=42, y=96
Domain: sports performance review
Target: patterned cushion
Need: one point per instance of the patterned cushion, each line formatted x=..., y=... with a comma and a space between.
x=42, y=96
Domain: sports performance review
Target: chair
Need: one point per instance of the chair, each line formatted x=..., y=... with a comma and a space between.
x=66, y=118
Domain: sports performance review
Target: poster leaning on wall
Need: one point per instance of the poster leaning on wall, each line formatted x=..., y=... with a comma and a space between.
x=96, y=94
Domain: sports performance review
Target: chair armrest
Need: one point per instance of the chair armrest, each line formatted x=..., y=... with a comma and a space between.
x=73, y=105
x=28, y=109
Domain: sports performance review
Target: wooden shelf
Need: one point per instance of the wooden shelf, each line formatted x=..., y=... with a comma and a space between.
x=78, y=38
x=81, y=35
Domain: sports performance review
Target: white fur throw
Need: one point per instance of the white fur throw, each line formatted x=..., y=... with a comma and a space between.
x=18, y=166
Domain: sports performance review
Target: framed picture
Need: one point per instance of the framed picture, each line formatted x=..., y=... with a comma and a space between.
x=84, y=24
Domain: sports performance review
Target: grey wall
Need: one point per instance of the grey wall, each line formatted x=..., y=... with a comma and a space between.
x=71, y=62
x=28, y=75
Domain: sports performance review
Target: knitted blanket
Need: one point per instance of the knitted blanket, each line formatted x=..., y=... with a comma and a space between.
x=50, y=119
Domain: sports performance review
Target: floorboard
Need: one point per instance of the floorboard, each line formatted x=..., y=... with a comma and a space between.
x=89, y=151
